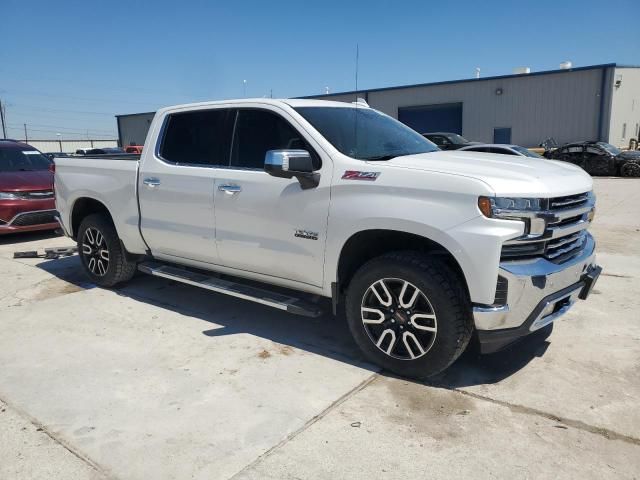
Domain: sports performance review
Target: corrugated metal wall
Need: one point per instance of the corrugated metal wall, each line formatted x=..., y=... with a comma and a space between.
x=70, y=146
x=625, y=107
x=563, y=105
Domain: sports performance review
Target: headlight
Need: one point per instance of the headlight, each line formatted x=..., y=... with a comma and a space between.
x=510, y=208
x=507, y=207
x=8, y=196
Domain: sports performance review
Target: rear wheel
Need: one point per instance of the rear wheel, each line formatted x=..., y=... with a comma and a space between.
x=409, y=313
x=101, y=252
x=630, y=169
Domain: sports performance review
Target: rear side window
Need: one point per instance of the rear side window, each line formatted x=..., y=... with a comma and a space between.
x=199, y=138
x=258, y=131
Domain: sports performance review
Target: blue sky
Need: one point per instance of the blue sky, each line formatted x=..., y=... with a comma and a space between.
x=69, y=67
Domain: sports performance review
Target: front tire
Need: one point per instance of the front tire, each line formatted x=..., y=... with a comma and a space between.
x=409, y=313
x=103, y=257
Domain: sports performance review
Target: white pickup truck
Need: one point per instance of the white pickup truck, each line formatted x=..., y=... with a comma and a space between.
x=284, y=202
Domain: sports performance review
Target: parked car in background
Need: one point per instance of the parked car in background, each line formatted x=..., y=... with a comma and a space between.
x=502, y=150
x=52, y=155
x=133, y=149
x=448, y=141
x=100, y=151
x=26, y=189
x=105, y=151
x=599, y=158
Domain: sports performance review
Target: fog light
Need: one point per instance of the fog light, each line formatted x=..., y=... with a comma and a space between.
x=591, y=215
x=548, y=310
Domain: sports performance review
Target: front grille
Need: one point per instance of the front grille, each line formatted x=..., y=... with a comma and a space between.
x=34, y=195
x=34, y=218
x=564, y=236
x=570, y=201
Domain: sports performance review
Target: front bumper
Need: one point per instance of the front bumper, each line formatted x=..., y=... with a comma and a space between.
x=538, y=292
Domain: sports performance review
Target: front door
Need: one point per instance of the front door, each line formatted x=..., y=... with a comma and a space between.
x=264, y=224
x=176, y=185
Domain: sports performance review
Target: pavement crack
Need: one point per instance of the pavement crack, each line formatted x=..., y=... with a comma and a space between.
x=41, y=428
x=336, y=403
x=577, y=424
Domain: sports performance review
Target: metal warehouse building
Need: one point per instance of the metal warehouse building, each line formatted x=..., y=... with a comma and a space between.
x=599, y=102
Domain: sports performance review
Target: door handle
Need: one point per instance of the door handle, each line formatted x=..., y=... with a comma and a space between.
x=230, y=189
x=151, y=182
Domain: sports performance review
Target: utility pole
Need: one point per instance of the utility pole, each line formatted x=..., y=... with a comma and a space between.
x=2, y=120
x=26, y=137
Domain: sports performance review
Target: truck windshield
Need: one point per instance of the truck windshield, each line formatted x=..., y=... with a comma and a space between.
x=365, y=134
x=14, y=160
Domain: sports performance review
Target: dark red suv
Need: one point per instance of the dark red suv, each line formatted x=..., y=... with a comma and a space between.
x=26, y=189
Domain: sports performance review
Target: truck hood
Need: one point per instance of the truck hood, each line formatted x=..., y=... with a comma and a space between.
x=506, y=175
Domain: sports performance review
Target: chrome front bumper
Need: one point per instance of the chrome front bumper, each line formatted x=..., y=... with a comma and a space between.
x=539, y=291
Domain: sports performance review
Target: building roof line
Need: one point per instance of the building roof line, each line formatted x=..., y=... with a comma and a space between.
x=482, y=79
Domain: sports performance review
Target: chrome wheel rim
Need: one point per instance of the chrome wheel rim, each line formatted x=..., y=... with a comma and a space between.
x=95, y=252
x=399, y=318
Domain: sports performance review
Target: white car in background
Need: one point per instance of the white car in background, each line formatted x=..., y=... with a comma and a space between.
x=501, y=149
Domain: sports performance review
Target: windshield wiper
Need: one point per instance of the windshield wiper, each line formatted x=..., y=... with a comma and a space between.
x=379, y=157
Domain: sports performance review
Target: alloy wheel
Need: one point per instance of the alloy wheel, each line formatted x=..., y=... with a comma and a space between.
x=95, y=251
x=399, y=318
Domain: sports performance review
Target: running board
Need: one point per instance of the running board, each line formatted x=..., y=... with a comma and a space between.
x=234, y=289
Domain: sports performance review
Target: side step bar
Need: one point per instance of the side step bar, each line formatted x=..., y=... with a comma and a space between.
x=235, y=289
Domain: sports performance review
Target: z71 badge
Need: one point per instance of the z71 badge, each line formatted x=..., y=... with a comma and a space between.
x=357, y=175
x=300, y=233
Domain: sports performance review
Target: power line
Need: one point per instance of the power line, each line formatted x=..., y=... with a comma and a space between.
x=15, y=125
x=72, y=97
x=47, y=109
x=65, y=132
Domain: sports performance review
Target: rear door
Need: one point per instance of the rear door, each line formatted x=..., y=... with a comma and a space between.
x=176, y=184
x=264, y=224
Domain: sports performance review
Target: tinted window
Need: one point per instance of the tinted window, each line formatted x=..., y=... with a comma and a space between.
x=16, y=160
x=364, y=133
x=438, y=140
x=200, y=137
x=477, y=149
x=594, y=151
x=574, y=149
x=258, y=131
x=610, y=148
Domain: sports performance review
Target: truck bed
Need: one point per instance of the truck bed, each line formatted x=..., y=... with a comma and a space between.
x=109, y=179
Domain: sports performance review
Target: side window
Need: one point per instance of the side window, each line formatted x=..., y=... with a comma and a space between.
x=258, y=131
x=574, y=150
x=437, y=139
x=200, y=137
x=594, y=151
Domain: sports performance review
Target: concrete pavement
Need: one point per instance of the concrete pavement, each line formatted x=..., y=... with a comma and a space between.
x=165, y=381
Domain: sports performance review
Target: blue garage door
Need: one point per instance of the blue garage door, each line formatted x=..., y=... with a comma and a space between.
x=444, y=117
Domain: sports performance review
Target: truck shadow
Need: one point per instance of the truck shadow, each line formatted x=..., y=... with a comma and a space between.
x=327, y=335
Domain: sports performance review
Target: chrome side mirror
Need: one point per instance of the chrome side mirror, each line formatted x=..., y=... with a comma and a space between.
x=290, y=164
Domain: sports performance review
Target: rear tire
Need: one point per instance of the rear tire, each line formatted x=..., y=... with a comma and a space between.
x=103, y=257
x=409, y=313
x=630, y=169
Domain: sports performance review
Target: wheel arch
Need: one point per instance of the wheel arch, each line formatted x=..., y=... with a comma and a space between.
x=367, y=244
x=83, y=207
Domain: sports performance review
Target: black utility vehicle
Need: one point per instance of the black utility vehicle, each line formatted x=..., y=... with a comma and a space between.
x=599, y=158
